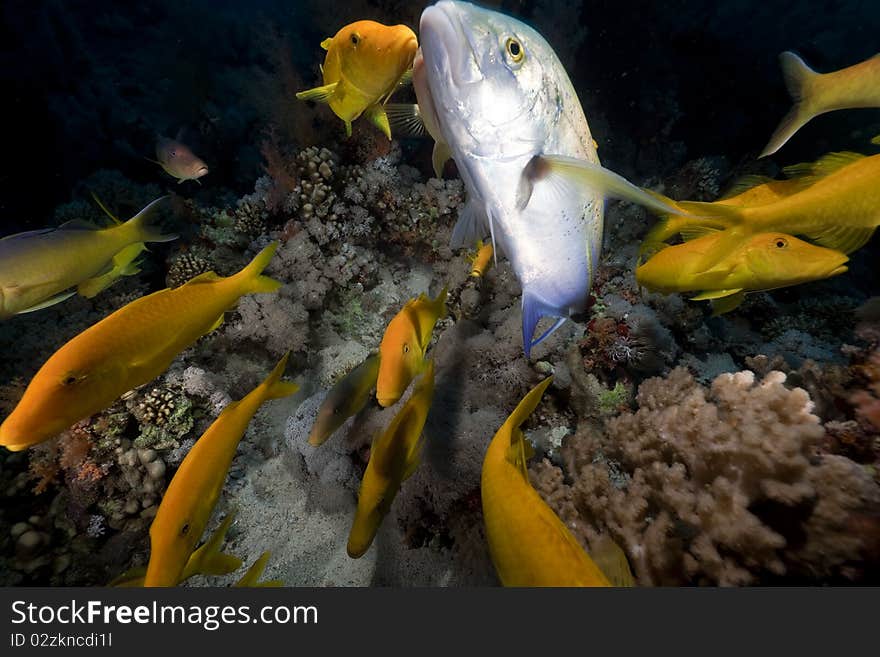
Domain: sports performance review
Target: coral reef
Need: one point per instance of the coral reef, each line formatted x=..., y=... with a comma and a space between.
x=718, y=486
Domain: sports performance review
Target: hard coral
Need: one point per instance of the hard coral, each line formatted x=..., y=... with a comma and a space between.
x=717, y=486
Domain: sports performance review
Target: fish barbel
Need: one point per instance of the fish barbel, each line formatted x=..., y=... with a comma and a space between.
x=500, y=97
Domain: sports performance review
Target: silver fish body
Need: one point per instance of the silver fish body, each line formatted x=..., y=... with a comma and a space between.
x=501, y=97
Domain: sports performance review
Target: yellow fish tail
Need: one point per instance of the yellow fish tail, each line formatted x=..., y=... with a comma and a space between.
x=519, y=451
x=799, y=79
x=140, y=228
x=251, y=276
x=273, y=387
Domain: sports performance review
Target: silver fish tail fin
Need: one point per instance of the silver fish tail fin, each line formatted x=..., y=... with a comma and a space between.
x=533, y=309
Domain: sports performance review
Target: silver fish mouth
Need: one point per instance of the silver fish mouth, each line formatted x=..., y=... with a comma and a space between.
x=447, y=46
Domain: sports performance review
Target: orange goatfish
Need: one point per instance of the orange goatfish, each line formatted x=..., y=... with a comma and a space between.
x=482, y=261
x=402, y=350
x=528, y=543
x=128, y=348
x=365, y=62
x=195, y=488
x=394, y=456
x=816, y=93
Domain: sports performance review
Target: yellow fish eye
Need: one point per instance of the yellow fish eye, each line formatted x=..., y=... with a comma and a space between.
x=780, y=242
x=72, y=378
x=514, y=50
x=405, y=348
x=355, y=38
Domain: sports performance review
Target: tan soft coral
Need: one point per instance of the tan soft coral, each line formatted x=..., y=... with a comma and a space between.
x=719, y=486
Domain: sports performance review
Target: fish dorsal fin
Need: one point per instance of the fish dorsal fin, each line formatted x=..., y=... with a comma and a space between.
x=824, y=166
x=693, y=232
x=207, y=277
x=611, y=560
x=845, y=239
x=77, y=224
x=715, y=294
x=744, y=184
x=726, y=304
x=406, y=120
x=101, y=205
x=326, y=43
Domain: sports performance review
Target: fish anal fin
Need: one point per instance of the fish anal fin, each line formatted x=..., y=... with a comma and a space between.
x=376, y=115
x=725, y=305
x=318, y=94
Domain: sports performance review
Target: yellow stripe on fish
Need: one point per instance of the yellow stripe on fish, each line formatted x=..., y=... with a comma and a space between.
x=195, y=488
x=128, y=348
x=528, y=543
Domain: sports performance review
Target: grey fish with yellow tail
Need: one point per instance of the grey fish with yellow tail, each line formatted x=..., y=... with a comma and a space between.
x=40, y=268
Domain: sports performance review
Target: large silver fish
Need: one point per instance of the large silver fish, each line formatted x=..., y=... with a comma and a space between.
x=505, y=110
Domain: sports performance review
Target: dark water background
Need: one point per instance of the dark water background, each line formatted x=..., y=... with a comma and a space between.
x=87, y=84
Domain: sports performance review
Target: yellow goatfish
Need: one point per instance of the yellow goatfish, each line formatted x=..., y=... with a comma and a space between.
x=365, y=62
x=347, y=398
x=482, y=261
x=394, y=456
x=402, y=350
x=816, y=93
x=207, y=560
x=179, y=161
x=834, y=202
x=252, y=577
x=38, y=268
x=528, y=543
x=724, y=266
x=195, y=488
x=128, y=348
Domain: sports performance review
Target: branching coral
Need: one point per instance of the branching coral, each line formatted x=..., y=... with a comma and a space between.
x=718, y=486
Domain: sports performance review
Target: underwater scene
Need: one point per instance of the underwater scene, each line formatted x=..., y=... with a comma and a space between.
x=382, y=293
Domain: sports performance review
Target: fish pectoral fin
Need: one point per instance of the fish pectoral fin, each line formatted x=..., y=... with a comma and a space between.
x=845, y=239
x=406, y=78
x=406, y=120
x=715, y=294
x=348, y=128
x=326, y=43
x=568, y=174
x=611, y=560
x=519, y=453
x=725, y=305
x=58, y=298
x=217, y=324
x=471, y=225
x=318, y=94
x=440, y=155
x=376, y=115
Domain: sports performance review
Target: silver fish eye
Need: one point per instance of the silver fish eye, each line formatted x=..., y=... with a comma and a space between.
x=514, y=52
